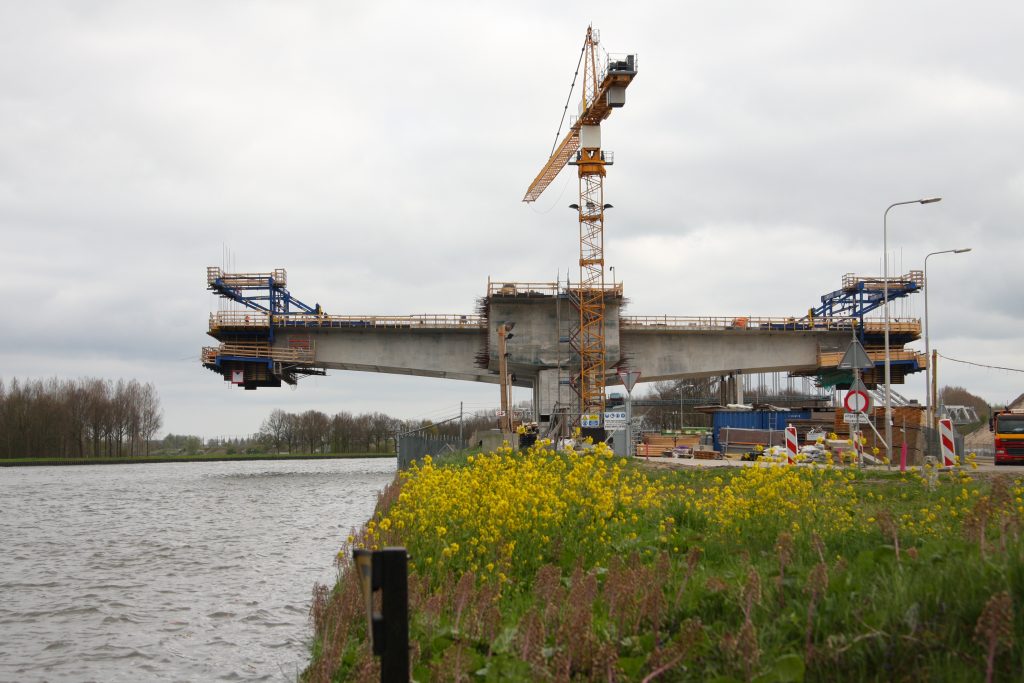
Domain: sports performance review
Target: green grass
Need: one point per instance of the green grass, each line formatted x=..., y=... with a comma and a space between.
x=897, y=595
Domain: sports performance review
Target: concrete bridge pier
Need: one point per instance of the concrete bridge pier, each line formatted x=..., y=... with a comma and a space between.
x=730, y=388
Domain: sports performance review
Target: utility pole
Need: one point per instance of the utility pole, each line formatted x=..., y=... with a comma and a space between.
x=504, y=334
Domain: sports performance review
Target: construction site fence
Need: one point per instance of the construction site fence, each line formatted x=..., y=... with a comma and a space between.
x=933, y=447
x=415, y=446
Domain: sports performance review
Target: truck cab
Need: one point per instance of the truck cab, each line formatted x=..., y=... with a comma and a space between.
x=1008, y=431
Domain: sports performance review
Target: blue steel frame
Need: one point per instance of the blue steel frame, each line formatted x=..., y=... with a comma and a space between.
x=858, y=301
x=278, y=300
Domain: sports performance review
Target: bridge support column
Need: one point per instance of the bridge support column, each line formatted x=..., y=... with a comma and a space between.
x=730, y=388
x=549, y=394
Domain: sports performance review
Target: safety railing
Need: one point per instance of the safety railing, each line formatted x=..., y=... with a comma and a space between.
x=896, y=325
x=210, y=354
x=830, y=359
x=673, y=322
x=426, y=321
x=256, y=320
x=915, y=277
x=524, y=289
x=214, y=273
x=500, y=288
x=244, y=319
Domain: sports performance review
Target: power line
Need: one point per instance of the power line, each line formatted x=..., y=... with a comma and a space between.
x=980, y=365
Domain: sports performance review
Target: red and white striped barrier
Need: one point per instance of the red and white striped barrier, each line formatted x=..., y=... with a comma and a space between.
x=946, y=443
x=792, y=447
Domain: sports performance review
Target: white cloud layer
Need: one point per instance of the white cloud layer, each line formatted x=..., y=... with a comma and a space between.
x=380, y=151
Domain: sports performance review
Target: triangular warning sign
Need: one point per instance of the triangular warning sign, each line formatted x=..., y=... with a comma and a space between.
x=858, y=385
x=629, y=378
x=855, y=358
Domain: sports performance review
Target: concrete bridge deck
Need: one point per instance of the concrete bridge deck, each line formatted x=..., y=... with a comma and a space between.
x=262, y=348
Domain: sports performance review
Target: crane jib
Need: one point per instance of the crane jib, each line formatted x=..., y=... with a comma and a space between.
x=609, y=96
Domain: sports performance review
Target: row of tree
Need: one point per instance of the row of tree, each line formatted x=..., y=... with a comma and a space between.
x=77, y=418
x=316, y=432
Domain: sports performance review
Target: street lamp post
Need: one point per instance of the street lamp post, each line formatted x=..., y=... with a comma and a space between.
x=504, y=334
x=931, y=402
x=885, y=297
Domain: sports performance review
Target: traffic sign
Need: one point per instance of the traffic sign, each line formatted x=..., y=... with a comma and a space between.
x=855, y=418
x=629, y=378
x=857, y=401
x=855, y=358
x=615, y=419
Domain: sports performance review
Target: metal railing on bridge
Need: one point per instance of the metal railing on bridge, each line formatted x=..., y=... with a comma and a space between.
x=255, y=320
x=278, y=276
x=424, y=321
x=657, y=323
x=528, y=289
x=830, y=359
x=258, y=350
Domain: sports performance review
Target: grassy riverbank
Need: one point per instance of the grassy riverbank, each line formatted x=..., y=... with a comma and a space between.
x=209, y=457
x=581, y=566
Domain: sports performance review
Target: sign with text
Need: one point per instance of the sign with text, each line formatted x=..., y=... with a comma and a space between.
x=855, y=418
x=591, y=420
x=615, y=419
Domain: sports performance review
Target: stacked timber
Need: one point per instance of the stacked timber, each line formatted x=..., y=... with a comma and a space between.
x=657, y=444
x=907, y=422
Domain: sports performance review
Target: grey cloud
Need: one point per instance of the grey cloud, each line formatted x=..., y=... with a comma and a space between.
x=379, y=152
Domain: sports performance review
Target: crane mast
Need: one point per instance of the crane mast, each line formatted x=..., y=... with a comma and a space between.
x=601, y=93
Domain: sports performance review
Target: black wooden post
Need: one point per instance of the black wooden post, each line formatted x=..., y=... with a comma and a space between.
x=394, y=659
x=387, y=571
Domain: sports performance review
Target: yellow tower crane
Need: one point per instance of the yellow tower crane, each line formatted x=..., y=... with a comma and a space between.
x=603, y=90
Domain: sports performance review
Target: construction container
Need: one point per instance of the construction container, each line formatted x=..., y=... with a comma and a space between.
x=767, y=420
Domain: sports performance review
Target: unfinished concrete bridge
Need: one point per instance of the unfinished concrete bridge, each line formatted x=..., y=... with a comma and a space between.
x=273, y=337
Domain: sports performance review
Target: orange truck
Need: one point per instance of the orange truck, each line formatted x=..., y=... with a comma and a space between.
x=1008, y=428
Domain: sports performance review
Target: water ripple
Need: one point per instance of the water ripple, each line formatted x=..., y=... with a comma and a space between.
x=177, y=571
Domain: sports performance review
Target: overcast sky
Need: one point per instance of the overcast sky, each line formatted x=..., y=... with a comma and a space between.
x=380, y=152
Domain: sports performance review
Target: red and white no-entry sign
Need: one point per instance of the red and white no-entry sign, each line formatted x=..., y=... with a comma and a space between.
x=857, y=401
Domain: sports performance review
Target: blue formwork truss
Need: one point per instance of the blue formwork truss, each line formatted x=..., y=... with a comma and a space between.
x=860, y=296
x=266, y=296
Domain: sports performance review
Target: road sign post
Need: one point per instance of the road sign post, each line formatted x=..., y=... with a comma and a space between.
x=857, y=401
x=629, y=379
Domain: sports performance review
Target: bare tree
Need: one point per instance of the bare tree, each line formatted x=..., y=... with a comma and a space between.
x=275, y=428
x=76, y=418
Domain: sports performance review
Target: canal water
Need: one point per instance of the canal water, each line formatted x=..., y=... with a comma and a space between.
x=171, y=572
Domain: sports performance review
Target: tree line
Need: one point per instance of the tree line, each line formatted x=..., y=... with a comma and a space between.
x=313, y=431
x=77, y=418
